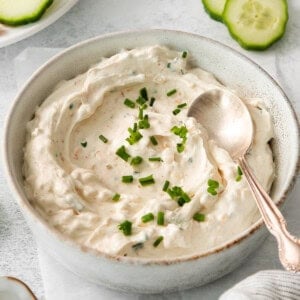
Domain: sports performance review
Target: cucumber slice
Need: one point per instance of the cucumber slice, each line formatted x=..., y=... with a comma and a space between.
x=19, y=12
x=256, y=24
x=214, y=8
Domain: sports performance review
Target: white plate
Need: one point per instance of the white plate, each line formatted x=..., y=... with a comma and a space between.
x=10, y=35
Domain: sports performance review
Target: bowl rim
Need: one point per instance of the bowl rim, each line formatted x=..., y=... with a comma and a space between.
x=25, y=205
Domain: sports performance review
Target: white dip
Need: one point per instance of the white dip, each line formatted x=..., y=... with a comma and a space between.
x=72, y=175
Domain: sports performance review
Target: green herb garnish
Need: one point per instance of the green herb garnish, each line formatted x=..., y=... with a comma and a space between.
x=239, y=174
x=177, y=194
x=144, y=123
x=181, y=132
x=140, y=100
x=169, y=65
x=155, y=159
x=147, y=180
x=171, y=92
x=166, y=185
x=83, y=144
x=144, y=93
x=182, y=105
x=71, y=106
x=136, y=160
x=161, y=218
x=147, y=218
x=180, y=147
x=129, y=103
x=126, y=227
x=141, y=113
x=152, y=100
x=153, y=140
x=116, y=197
x=121, y=152
x=103, y=138
x=199, y=217
x=176, y=111
x=127, y=178
x=213, y=185
x=184, y=54
x=135, y=135
x=158, y=241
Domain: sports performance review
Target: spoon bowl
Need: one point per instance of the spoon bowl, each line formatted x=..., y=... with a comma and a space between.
x=226, y=119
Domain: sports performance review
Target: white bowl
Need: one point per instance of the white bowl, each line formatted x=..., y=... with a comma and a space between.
x=136, y=275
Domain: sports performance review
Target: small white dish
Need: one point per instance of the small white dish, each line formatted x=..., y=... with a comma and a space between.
x=10, y=35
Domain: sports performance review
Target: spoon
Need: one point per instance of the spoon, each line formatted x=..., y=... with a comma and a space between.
x=228, y=122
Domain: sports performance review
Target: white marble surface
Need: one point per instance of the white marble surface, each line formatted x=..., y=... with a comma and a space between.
x=18, y=256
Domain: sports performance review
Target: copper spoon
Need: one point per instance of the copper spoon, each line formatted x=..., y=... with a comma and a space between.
x=228, y=122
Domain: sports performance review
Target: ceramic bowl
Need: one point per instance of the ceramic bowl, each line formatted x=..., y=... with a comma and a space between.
x=136, y=275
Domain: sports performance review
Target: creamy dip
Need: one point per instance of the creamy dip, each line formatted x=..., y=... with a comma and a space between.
x=185, y=197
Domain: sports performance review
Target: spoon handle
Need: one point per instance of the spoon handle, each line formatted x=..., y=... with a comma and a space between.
x=288, y=245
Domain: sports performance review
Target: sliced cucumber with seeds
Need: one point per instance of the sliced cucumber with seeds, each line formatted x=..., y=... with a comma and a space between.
x=19, y=12
x=214, y=8
x=256, y=24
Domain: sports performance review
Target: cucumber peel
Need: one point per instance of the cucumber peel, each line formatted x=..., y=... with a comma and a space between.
x=20, y=12
x=256, y=24
x=214, y=8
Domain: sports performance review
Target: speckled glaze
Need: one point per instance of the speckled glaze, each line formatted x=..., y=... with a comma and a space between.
x=125, y=273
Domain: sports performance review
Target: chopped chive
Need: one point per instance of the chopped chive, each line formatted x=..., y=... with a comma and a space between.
x=116, y=197
x=129, y=103
x=176, y=111
x=155, y=159
x=182, y=105
x=212, y=191
x=134, y=136
x=184, y=54
x=152, y=100
x=126, y=227
x=136, y=160
x=199, y=217
x=180, y=131
x=171, y=92
x=71, y=106
x=147, y=180
x=180, y=201
x=144, y=93
x=127, y=178
x=239, y=174
x=144, y=106
x=169, y=65
x=213, y=183
x=177, y=194
x=160, y=218
x=166, y=185
x=147, y=218
x=83, y=144
x=103, y=138
x=180, y=147
x=144, y=124
x=121, y=152
x=153, y=140
x=158, y=241
x=141, y=114
x=140, y=100
x=135, y=127
x=239, y=171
